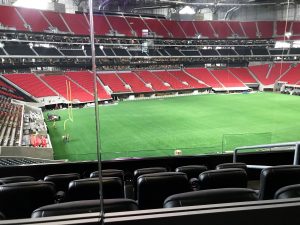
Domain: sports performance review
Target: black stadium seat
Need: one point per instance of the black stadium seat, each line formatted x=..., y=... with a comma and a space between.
x=109, y=173
x=143, y=171
x=223, y=178
x=153, y=189
x=212, y=196
x=231, y=165
x=15, y=179
x=192, y=171
x=18, y=200
x=62, y=181
x=290, y=191
x=88, y=189
x=85, y=206
x=276, y=177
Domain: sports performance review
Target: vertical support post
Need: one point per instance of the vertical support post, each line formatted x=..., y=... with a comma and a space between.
x=296, y=154
x=97, y=120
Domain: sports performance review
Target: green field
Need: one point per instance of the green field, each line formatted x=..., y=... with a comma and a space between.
x=194, y=124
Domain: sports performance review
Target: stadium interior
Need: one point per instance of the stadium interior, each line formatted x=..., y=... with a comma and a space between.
x=149, y=112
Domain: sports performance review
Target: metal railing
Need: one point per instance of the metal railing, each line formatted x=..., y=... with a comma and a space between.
x=296, y=146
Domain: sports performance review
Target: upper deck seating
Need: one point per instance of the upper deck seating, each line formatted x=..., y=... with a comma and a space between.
x=35, y=19
x=265, y=28
x=101, y=25
x=189, y=28
x=56, y=21
x=77, y=23
x=250, y=29
x=222, y=29
x=156, y=27
x=237, y=29
x=296, y=28
x=173, y=27
x=282, y=27
x=10, y=18
x=120, y=25
x=137, y=25
x=204, y=29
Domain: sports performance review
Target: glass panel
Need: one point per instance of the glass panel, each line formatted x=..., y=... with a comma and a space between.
x=173, y=79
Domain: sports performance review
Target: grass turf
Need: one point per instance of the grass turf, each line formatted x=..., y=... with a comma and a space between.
x=194, y=124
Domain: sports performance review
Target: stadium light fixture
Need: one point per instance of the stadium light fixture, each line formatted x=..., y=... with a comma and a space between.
x=33, y=4
x=187, y=10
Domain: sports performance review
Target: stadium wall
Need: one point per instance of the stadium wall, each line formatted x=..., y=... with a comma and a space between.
x=42, y=153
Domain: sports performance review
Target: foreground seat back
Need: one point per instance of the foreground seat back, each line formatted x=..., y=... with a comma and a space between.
x=232, y=165
x=18, y=200
x=212, y=196
x=109, y=173
x=153, y=189
x=15, y=179
x=291, y=191
x=143, y=171
x=192, y=171
x=276, y=177
x=85, y=206
x=88, y=189
x=62, y=181
x=223, y=178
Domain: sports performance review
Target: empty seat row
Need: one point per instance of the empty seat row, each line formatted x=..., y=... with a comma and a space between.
x=154, y=190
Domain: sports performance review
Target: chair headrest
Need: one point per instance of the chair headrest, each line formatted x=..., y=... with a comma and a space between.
x=212, y=196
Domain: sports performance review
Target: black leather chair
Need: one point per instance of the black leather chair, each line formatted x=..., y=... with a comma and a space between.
x=223, y=178
x=18, y=200
x=15, y=179
x=276, y=177
x=88, y=189
x=212, y=196
x=232, y=165
x=192, y=171
x=143, y=171
x=109, y=173
x=153, y=189
x=2, y=217
x=85, y=206
x=62, y=181
x=290, y=191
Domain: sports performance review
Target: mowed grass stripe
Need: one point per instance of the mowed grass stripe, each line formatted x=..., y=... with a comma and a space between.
x=194, y=123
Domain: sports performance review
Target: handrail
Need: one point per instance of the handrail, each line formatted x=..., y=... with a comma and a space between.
x=286, y=144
